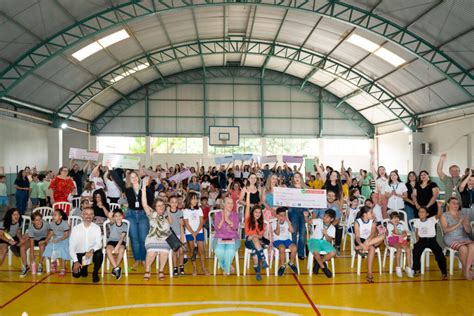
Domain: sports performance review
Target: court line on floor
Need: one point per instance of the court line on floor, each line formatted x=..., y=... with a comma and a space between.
x=308, y=298
x=233, y=284
x=23, y=292
x=227, y=303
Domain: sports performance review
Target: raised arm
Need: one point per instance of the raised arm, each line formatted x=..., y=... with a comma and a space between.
x=95, y=171
x=301, y=165
x=319, y=169
x=117, y=180
x=463, y=184
x=86, y=167
x=247, y=204
x=439, y=168
x=145, y=205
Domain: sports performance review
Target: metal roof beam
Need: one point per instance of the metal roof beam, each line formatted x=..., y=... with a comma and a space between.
x=274, y=41
x=217, y=72
x=419, y=16
x=132, y=10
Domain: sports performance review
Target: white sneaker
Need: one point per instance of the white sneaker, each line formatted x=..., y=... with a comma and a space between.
x=409, y=272
x=398, y=271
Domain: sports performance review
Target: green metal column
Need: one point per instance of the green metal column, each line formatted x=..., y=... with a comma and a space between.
x=204, y=118
x=262, y=106
x=147, y=113
x=320, y=105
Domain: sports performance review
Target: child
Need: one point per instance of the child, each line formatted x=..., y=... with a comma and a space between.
x=11, y=236
x=366, y=238
x=426, y=238
x=117, y=242
x=42, y=190
x=254, y=229
x=176, y=221
x=352, y=212
x=3, y=191
x=58, y=234
x=323, y=233
x=282, y=230
x=193, y=222
x=37, y=232
x=88, y=191
x=34, y=192
x=397, y=238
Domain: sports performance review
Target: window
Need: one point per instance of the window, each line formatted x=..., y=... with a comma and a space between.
x=121, y=145
x=176, y=145
x=246, y=146
x=292, y=146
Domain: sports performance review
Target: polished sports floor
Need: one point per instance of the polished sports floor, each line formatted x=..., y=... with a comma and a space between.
x=345, y=294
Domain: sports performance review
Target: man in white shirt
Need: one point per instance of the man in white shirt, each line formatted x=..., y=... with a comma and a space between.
x=86, y=243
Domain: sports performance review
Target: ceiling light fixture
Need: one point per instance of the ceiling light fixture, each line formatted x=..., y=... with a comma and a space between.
x=129, y=72
x=372, y=47
x=100, y=44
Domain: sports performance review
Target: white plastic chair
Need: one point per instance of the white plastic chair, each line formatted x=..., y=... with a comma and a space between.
x=359, y=257
x=248, y=256
x=76, y=202
x=361, y=199
x=24, y=225
x=425, y=256
x=48, y=219
x=104, y=243
x=211, y=232
x=392, y=250
x=74, y=220
x=404, y=214
x=276, y=254
x=452, y=254
x=44, y=211
x=237, y=265
x=63, y=206
x=114, y=206
x=170, y=261
x=311, y=262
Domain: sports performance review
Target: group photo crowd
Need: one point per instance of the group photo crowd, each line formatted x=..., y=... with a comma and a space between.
x=90, y=214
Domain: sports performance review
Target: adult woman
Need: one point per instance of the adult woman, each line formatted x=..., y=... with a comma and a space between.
x=227, y=240
x=139, y=224
x=113, y=190
x=194, y=185
x=426, y=192
x=160, y=229
x=297, y=218
x=381, y=183
x=466, y=189
x=364, y=183
x=395, y=192
x=101, y=207
x=255, y=194
x=62, y=186
x=272, y=182
x=234, y=190
x=409, y=198
x=456, y=230
x=22, y=186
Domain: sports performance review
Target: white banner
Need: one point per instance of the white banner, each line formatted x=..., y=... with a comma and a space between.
x=243, y=157
x=266, y=159
x=304, y=198
x=181, y=176
x=82, y=154
x=121, y=161
x=223, y=160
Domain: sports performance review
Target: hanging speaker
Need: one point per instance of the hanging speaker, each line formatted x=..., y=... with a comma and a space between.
x=426, y=148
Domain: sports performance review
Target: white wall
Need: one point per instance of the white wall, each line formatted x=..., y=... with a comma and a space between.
x=22, y=144
x=73, y=139
x=455, y=138
x=394, y=152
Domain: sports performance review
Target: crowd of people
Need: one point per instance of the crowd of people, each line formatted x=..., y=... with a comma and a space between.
x=235, y=204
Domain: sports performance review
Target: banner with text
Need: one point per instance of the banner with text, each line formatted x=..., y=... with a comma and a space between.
x=293, y=159
x=304, y=198
x=181, y=176
x=82, y=154
x=121, y=161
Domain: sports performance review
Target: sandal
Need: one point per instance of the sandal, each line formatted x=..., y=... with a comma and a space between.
x=370, y=278
x=161, y=276
x=147, y=276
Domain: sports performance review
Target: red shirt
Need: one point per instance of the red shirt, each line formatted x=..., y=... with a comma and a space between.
x=61, y=188
x=205, y=212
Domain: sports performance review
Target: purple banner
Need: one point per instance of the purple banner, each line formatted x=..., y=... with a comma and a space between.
x=181, y=176
x=293, y=159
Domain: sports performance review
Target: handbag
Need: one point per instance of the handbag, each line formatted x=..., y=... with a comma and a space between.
x=173, y=241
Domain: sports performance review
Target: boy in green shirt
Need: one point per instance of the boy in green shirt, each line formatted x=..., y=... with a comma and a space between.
x=42, y=190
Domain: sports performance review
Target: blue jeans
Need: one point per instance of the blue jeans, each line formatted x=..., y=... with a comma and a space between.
x=21, y=197
x=410, y=212
x=225, y=254
x=296, y=217
x=139, y=227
